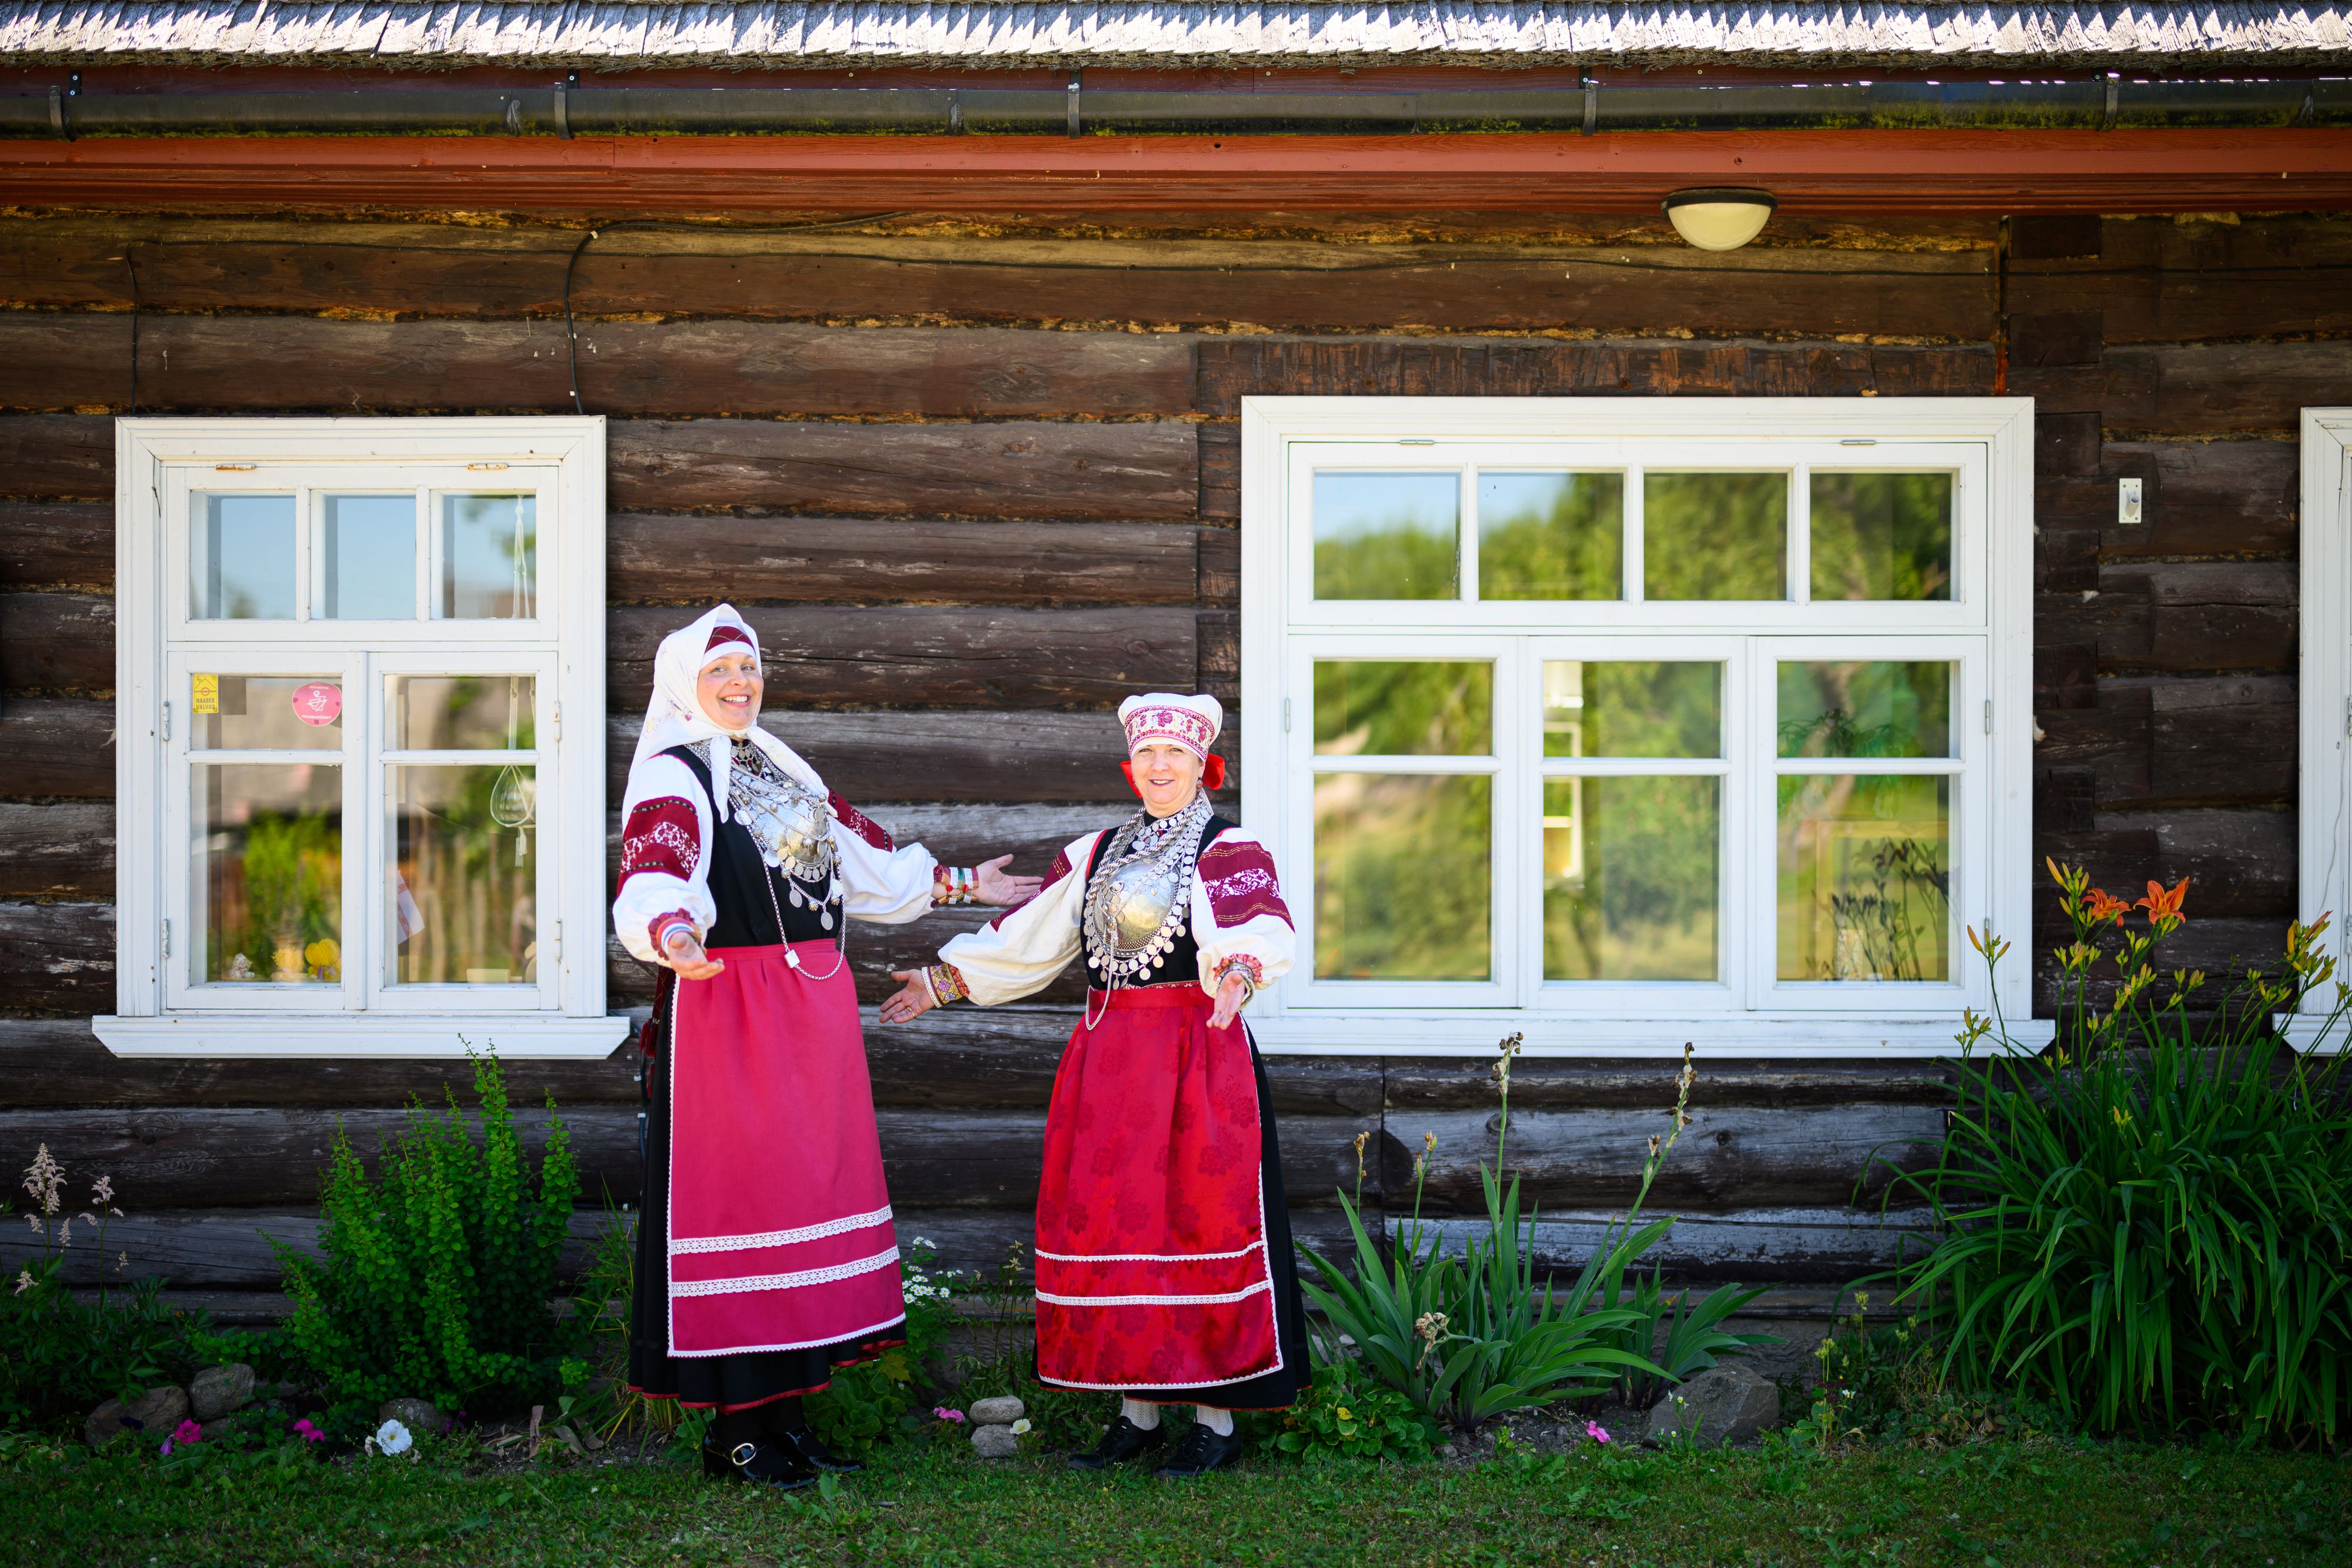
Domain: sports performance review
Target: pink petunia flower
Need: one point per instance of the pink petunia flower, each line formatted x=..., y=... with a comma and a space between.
x=187, y=1432
x=1596, y=1431
x=944, y=1414
x=306, y=1432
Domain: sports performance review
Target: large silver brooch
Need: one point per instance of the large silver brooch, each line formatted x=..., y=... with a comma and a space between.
x=1136, y=904
x=793, y=832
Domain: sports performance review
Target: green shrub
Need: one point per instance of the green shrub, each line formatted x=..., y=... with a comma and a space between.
x=438, y=1273
x=874, y=1402
x=1346, y=1413
x=2151, y=1225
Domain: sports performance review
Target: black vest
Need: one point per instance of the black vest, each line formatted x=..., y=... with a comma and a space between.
x=1181, y=965
x=748, y=891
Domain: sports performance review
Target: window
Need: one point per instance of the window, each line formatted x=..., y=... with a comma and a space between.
x=2325, y=695
x=1627, y=722
x=351, y=818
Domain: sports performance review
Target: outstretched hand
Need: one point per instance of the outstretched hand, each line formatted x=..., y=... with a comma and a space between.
x=910, y=1002
x=991, y=886
x=686, y=956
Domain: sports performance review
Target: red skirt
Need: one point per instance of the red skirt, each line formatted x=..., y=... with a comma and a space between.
x=779, y=1223
x=1153, y=1270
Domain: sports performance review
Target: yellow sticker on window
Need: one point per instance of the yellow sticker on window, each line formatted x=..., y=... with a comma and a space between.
x=203, y=694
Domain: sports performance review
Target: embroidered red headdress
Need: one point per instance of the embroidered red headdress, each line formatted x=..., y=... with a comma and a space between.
x=1192, y=723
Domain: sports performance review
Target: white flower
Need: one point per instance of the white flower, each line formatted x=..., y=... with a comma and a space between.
x=391, y=1439
x=1021, y=1426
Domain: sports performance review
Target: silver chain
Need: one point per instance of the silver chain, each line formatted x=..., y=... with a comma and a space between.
x=1146, y=855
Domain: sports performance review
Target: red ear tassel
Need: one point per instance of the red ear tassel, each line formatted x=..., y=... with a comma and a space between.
x=1213, y=774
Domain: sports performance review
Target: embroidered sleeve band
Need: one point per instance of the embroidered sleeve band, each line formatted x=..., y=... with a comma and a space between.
x=947, y=986
x=954, y=884
x=1252, y=972
x=660, y=837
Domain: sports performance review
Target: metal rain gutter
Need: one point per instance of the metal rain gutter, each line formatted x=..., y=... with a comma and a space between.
x=2099, y=103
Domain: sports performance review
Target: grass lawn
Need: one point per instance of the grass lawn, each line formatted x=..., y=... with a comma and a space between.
x=2001, y=1503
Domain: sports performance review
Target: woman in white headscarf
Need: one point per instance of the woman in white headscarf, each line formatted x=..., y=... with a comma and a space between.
x=1164, y=1268
x=766, y=1255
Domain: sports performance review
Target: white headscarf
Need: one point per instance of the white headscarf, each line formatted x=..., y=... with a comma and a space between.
x=675, y=715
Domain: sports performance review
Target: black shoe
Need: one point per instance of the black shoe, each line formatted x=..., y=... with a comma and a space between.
x=813, y=1453
x=1201, y=1452
x=1124, y=1441
x=762, y=1464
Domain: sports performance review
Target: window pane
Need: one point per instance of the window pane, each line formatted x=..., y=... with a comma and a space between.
x=267, y=873
x=1402, y=873
x=1387, y=536
x=489, y=558
x=460, y=713
x=1715, y=536
x=367, y=554
x=1633, y=708
x=1630, y=878
x=266, y=713
x=1865, y=877
x=462, y=906
x=241, y=558
x=1880, y=708
x=1366, y=707
x=1881, y=535
x=1551, y=536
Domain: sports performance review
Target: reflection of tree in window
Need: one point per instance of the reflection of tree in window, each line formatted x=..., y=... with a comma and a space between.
x=1551, y=536
x=1866, y=709
x=1402, y=877
x=472, y=885
x=1715, y=536
x=1417, y=707
x=1387, y=535
x=1881, y=535
x=1864, y=878
x=1631, y=878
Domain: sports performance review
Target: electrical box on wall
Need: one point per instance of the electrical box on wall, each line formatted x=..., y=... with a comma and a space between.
x=2127, y=512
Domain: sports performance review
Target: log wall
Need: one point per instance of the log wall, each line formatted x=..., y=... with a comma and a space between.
x=975, y=485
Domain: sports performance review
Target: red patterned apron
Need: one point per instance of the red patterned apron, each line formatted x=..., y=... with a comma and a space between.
x=1151, y=1258
x=779, y=1224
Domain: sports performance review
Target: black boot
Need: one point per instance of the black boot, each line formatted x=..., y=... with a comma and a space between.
x=733, y=1451
x=787, y=1427
x=1124, y=1441
x=1201, y=1452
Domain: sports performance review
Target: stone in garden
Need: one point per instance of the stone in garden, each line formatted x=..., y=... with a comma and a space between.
x=158, y=1411
x=419, y=1415
x=993, y=1442
x=217, y=1390
x=1722, y=1405
x=1002, y=1411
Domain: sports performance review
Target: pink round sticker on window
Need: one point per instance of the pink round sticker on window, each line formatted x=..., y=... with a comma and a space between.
x=317, y=702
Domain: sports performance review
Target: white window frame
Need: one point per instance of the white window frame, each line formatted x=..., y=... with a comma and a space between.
x=2324, y=833
x=1987, y=625
x=158, y=464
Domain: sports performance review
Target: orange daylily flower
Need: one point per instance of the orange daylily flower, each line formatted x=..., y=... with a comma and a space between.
x=2162, y=905
x=2099, y=905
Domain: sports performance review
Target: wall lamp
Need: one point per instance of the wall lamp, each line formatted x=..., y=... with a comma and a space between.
x=1719, y=217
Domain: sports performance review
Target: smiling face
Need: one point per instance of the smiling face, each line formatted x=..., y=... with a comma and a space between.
x=729, y=689
x=1167, y=775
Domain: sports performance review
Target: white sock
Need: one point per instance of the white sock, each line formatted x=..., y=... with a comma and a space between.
x=1221, y=1422
x=1140, y=1414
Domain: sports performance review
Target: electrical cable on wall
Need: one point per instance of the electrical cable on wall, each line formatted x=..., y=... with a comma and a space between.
x=572, y=332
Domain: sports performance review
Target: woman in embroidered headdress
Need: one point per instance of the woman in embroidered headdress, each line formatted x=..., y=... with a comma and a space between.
x=765, y=1252
x=1164, y=1268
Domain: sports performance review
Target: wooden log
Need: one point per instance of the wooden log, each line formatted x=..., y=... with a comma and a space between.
x=56, y=957
x=2156, y=282
x=312, y=364
x=57, y=746
x=1220, y=582
x=2184, y=617
x=1876, y=282
x=1729, y=1157
x=1234, y=368
x=2197, y=389
x=2153, y=743
x=62, y=456
x=58, y=1063
x=1132, y=471
x=1829, y=1245
x=947, y=755
x=1414, y=1086
x=2204, y=498
x=60, y=849
x=2221, y=947
x=57, y=643
x=57, y=544
x=654, y=560
x=2237, y=863
x=1221, y=470
x=935, y=657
